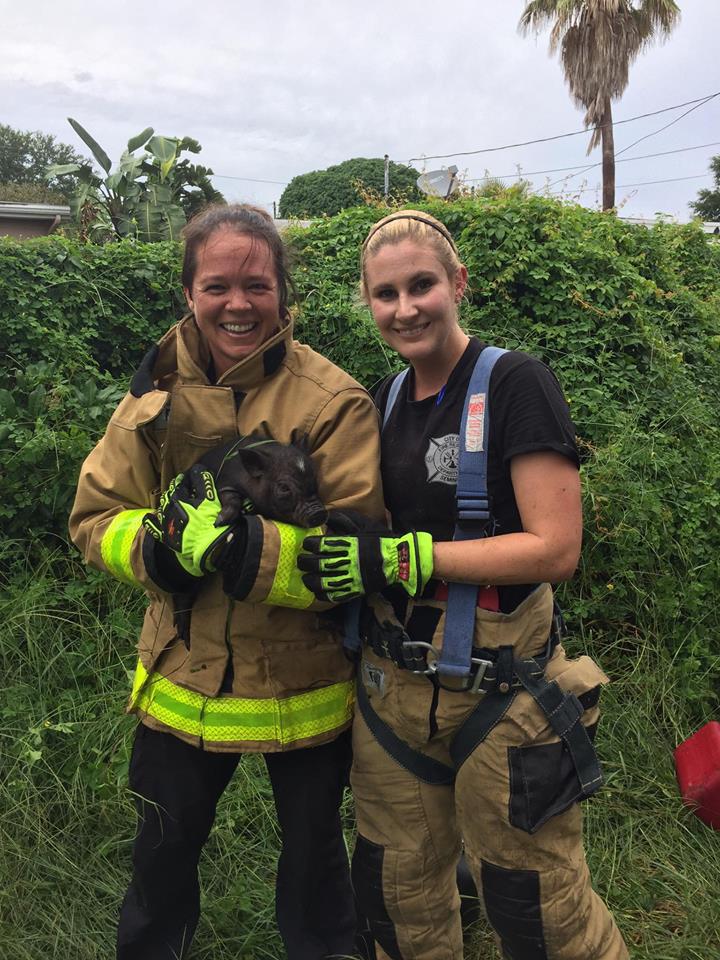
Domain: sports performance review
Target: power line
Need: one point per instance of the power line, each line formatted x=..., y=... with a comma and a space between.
x=561, y=136
x=223, y=176
x=537, y=173
x=645, y=183
x=636, y=142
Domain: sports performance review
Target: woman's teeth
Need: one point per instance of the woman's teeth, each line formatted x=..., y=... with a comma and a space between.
x=238, y=327
x=410, y=332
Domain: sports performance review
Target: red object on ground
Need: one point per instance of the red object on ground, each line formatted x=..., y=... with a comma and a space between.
x=697, y=765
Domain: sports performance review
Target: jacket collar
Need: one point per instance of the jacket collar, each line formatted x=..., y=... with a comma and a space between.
x=185, y=349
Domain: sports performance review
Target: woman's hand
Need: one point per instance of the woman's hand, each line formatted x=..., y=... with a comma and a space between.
x=185, y=521
x=339, y=568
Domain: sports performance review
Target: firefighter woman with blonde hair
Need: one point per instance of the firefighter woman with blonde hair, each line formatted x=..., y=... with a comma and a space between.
x=472, y=727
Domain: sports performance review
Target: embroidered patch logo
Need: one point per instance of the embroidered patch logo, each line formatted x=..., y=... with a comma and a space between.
x=475, y=426
x=374, y=678
x=441, y=459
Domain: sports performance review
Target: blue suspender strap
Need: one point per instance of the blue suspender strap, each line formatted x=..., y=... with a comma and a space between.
x=472, y=505
x=393, y=394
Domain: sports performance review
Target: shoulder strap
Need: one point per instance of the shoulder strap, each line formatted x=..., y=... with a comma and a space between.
x=472, y=505
x=393, y=394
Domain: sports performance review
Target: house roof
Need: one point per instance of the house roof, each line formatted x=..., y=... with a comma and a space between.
x=34, y=211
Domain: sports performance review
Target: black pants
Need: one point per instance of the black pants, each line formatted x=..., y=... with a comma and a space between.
x=177, y=789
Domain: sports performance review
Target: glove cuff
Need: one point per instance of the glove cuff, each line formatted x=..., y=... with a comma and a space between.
x=416, y=567
x=164, y=569
x=240, y=559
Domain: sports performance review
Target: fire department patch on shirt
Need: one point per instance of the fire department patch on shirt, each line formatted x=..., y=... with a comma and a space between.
x=441, y=458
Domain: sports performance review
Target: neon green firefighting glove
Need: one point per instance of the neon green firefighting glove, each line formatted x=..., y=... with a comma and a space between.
x=185, y=521
x=339, y=568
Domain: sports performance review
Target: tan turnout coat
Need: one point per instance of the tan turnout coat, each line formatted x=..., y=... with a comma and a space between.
x=284, y=385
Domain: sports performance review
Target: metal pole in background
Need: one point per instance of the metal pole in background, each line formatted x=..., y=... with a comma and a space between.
x=387, y=175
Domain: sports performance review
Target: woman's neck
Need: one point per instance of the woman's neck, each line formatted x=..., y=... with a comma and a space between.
x=432, y=374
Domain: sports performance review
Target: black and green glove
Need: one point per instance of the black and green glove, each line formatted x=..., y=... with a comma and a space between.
x=185, y=522
x=339, y=568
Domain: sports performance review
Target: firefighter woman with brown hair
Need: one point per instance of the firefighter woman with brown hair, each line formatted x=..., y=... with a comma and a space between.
x=262, y=672
x=473, y=727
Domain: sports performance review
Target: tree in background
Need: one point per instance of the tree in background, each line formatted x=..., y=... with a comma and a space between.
x=340, y=186
x=707, y=205
x=24, y=157
x=148, y=197
x=598, y=40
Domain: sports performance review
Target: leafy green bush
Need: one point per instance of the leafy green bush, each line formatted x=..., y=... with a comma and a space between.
x=83, y=305
x=75, y=320
x=327, y=192
x=626, y=316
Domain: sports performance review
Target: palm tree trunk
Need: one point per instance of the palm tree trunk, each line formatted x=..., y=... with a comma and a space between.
x=608, y=157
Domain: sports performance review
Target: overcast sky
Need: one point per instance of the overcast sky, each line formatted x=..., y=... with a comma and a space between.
x=278, y=88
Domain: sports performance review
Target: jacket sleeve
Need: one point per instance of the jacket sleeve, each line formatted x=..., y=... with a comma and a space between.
x=118, y=484
x=345, y=448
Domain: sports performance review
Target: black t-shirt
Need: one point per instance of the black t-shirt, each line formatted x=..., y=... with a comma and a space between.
x=527, y=412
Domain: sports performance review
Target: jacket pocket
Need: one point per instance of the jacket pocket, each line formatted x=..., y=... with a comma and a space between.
x=543, y=778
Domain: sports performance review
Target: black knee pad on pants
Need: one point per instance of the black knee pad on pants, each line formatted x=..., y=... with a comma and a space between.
x=367, y=873
x=512, y=904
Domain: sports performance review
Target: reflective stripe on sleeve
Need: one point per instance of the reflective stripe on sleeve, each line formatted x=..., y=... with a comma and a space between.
x=288, y=590
x=117, y=545
x=239, y=719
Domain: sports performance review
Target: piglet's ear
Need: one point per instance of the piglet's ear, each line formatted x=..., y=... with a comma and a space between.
x=300, y=439
x=253, y=461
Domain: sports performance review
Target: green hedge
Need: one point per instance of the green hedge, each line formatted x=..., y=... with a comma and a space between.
x=627, y=317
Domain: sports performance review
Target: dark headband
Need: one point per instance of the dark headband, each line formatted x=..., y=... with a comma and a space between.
x=441, y=229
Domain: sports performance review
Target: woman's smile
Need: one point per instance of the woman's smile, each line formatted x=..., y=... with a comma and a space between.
x=234, y=297
x=414, y=303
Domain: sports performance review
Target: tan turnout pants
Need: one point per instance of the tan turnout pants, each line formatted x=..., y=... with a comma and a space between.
x=513, y=804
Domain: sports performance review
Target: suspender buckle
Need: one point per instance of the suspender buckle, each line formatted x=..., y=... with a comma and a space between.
x=480, y=669
x=472, y=681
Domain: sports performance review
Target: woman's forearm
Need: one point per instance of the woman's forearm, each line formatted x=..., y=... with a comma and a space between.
x=508, y=559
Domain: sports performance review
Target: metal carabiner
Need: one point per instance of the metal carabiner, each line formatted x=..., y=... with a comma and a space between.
x=428, y=648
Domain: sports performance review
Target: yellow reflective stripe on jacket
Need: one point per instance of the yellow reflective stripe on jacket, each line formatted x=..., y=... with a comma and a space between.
x=288, y=590
x=238, y=719
x=117, y=544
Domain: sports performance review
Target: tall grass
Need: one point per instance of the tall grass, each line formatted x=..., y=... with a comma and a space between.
x=67, y=640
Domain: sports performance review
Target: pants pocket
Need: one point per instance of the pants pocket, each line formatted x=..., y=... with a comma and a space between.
x=543, y=777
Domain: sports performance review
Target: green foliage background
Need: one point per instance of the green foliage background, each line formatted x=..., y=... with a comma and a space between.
x=629, y=320
x=707, y=205
x=327, y=192
x=24, y=157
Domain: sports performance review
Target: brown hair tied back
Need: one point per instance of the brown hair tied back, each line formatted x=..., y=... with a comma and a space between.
x=415, y=225
x=245, y=219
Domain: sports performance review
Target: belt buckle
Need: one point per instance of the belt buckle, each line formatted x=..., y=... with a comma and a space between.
x=471, y=682
x=429, y=649
x=479, y=673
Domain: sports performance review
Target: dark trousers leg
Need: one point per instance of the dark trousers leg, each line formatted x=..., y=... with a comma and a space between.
x=176, y=788
x=314, y=899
